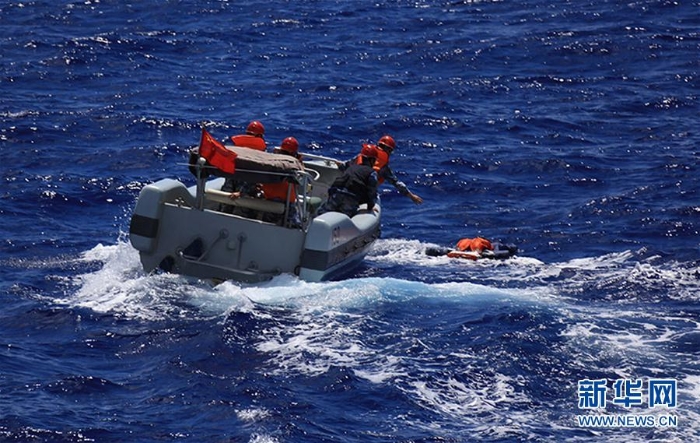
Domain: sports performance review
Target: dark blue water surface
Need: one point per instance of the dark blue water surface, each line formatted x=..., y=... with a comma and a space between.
x=569, y=128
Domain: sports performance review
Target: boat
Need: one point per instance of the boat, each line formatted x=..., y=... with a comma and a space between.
x=187, y=229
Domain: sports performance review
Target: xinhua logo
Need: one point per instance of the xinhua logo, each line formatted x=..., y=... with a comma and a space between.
x=628, y=393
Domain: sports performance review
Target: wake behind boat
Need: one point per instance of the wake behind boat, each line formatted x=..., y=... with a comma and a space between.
x=189, y=231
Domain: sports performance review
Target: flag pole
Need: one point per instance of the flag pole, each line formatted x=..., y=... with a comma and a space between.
x=201, y=162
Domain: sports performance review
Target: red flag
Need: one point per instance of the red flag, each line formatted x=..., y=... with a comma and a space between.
x=216, y=153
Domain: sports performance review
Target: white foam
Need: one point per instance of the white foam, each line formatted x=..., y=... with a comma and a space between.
x=404, y=252
x=120, y=282
x=690, y=385
x=679, y=279
x=384, y=372
x=314, y=327
x=313, y=343
x=476, y=402
x=120, y=287
x=257, y=438
x=252, y=415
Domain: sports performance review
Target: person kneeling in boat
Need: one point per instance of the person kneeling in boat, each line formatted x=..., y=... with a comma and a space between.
x=356, y=186
x=385, y=146
x=284, y=190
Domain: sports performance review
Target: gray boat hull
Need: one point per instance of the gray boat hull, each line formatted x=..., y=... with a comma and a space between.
x=175, y=231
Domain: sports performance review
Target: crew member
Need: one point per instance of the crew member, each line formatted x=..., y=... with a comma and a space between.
x=357, y=185
x=284, y=191
x=385, y=146
x=253, y=138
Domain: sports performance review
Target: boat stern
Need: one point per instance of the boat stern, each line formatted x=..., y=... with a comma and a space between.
x=335, y=243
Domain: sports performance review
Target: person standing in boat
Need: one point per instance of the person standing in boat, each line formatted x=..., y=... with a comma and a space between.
x=286, y=189
x=357, y=185
x=385, y=146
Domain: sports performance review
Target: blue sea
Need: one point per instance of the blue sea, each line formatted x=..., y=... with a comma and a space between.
x=569, y=128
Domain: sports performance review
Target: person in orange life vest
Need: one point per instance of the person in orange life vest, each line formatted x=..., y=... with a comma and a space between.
x=284, y=189
x=474, y=249
x=279, y=191
x=385, y=146
x=253, y=138
x=356, y=186
x=475, y=245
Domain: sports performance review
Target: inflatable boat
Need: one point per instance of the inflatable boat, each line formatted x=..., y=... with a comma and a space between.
x=200, y=231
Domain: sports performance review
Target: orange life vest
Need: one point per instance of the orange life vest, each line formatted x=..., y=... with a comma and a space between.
x=249, y=141
x=381, y=161
x=477, y=244
x=278, y=191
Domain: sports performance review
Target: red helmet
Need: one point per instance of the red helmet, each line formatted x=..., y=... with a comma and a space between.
x=290, y=144
x=387, y=143
x=369, y=151
x=255, y=128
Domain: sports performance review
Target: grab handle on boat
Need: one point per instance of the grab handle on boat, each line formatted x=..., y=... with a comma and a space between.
x=330, y=161
x=311, y=174
x=201, y=179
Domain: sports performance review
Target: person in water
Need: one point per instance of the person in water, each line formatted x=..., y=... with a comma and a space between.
x=474, y=249
x=357, y=185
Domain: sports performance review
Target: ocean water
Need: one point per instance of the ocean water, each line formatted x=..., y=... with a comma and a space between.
x=569, y=128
